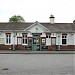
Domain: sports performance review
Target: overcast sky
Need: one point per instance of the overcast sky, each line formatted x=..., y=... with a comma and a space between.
x=38, y=10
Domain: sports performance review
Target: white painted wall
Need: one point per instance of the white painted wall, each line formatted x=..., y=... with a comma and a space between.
x=43, y=35
x=19, y=34
x=14, y=41
x=48, y=41
x=70, y=39
x=2, y=35
x=53, y=34
x=58, y=38
x=2, y=38
x=29, y=35
x=39, y=29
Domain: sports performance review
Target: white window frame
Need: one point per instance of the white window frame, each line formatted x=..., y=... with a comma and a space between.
x=8, y=38
x=64, y=37
x=24, y=38
x=43, y=41
x=49, y=36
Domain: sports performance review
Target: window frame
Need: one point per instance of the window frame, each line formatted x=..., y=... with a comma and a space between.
x=43, y=41
x=48, y=35
x=64, y=37
x=8, y=38
x=24, y=37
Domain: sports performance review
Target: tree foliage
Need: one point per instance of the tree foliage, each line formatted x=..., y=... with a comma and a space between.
x=74, y=21
x=16, y=19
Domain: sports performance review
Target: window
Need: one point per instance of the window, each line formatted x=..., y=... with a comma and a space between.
x=48, y=36
x=53, y=41
x=64, y=39
x=24, y=36
x=43, y=41
x=35, y=40
x=8, y=38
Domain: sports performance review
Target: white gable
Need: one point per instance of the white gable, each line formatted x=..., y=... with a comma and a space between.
x=37, y=28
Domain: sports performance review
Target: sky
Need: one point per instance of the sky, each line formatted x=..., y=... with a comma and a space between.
x=38, y=10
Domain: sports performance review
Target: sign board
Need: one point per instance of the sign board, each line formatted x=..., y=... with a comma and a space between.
x=36, y=33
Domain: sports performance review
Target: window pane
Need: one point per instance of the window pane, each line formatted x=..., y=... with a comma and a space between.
x=63, y=41
x=26, y=41
x=9, y=35
x=34, y=40
x=8, y=38
x=43, y=41
x=62, y=36
x=46, y=36
x=23, y=41
x=65, y=36
x=24, y=38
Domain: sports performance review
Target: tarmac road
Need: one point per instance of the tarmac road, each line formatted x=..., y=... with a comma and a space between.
x=37, y=64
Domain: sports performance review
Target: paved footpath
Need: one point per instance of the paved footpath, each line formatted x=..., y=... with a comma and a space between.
x=35, y=52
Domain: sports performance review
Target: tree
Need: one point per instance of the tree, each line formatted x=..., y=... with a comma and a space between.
x=74, y=21
x=15, y=19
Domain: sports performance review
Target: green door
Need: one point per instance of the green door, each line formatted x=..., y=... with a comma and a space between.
x=35, y=45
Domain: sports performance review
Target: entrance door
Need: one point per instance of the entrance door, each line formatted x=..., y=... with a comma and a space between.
x=36, y=43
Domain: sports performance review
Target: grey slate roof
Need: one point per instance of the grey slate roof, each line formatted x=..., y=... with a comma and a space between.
x=60, y=27
x=14, y=26
x=57, y=27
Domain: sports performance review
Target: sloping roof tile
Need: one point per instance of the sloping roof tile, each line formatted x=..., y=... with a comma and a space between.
x=14, y=26
x=60, y=26
x=57, y=27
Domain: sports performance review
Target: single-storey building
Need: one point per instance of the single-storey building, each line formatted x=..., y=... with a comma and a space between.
x=37, y=36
